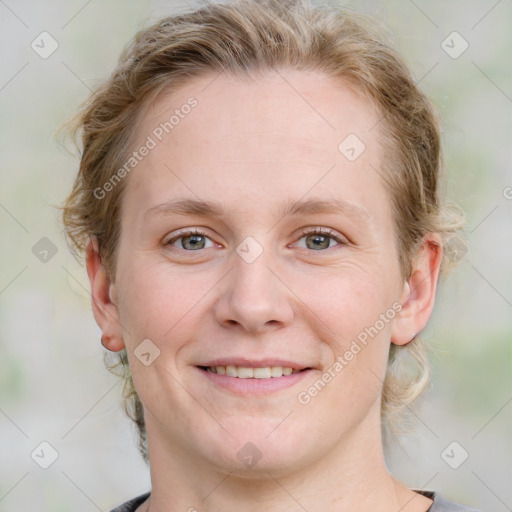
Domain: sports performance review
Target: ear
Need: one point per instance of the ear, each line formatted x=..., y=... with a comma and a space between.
x=103, y=300
x=419, y=292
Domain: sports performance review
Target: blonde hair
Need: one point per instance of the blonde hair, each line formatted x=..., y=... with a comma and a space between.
x=242, y=38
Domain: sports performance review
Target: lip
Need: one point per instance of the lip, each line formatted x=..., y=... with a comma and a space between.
x=255, y=363
x=253, y=386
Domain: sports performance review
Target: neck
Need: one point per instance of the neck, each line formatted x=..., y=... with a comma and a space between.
x=351, y=476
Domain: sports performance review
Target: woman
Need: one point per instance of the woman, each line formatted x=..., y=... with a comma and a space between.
x=259, y=204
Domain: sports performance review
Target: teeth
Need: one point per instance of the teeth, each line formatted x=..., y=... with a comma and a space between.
x=244, y=372
x=276, y=371
x=231, y=371
x=262, y=373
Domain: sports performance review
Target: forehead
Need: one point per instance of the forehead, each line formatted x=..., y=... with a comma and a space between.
x=275, y=132
x=286, y=106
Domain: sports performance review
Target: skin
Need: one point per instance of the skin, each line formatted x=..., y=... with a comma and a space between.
x=253, y=145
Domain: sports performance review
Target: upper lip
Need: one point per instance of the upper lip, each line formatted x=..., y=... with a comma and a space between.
x=255, y=363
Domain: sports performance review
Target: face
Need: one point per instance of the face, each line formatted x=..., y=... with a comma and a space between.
x=257, y=239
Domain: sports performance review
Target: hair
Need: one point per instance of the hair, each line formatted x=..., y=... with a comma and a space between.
x=242, y=38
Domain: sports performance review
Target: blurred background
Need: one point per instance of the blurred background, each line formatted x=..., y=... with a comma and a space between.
x=54, y=388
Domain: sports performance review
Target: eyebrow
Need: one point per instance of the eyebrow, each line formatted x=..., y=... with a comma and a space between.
x=302, y=207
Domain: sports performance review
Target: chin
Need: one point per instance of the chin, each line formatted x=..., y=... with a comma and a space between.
x=257, y=450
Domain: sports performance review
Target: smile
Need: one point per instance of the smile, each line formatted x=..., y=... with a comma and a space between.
x=253, y=380
x=244, y=372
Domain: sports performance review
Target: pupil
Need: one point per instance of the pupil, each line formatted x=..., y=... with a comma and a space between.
x=320, y=238
x=194, y=240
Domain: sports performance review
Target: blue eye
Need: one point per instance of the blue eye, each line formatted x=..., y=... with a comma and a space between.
x=316, y=239
x=191, y=240
x=321, y=238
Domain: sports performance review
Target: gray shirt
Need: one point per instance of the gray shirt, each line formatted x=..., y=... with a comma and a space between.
x=440, y=504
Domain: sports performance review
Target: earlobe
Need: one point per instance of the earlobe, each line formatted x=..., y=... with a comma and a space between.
x=418, y=295
x=103, y=297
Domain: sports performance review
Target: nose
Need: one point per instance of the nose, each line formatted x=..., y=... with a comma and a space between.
x=254, y=296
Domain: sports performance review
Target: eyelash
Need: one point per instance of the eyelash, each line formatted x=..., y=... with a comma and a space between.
x=305, y=232
x=323, y=232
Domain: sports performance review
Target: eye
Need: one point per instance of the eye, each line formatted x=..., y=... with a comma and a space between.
x=320, y=238
x=190, y=240
x=316, y=239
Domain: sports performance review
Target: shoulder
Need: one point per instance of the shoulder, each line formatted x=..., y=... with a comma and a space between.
x=131, y=506
x=441, y=504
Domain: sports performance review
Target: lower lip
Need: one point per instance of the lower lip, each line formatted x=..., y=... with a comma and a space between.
x=254, y=386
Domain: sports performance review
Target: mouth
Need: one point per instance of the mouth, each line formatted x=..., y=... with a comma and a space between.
x=249, y=372
x=248, y=377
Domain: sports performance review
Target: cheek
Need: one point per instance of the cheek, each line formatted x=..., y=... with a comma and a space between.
x=358, y=311
x=358, y=314
x=351, y=301
x=155, y=300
